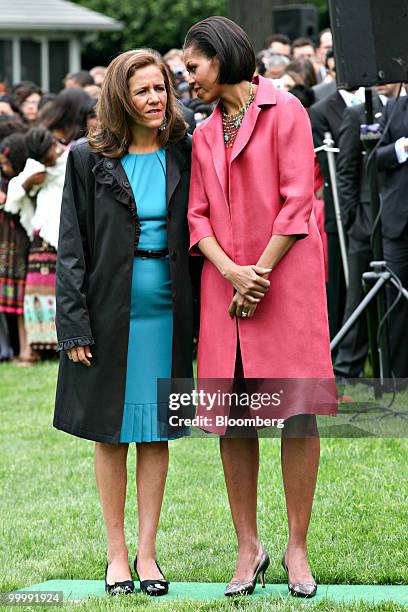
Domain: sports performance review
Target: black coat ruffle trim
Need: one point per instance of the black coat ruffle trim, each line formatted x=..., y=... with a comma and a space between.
x=66, y=345
x=110, y=173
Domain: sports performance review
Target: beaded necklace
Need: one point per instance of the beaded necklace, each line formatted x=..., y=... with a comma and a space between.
x=232, y=123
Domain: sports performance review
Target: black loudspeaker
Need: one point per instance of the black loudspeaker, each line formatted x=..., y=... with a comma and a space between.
x=296, y=20
x=370, y=41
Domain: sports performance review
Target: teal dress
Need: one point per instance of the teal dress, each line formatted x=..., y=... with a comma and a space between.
x=151, y=319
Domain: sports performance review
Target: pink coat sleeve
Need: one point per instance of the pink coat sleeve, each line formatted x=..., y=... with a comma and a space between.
x=296, y=170
x=198, y=205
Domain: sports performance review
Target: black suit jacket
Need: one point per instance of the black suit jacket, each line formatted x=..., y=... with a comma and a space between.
x=395, y=185
x=352, y=178
x=326, y=116
x=324, y=90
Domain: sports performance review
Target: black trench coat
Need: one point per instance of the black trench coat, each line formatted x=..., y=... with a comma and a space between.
x=98, y=231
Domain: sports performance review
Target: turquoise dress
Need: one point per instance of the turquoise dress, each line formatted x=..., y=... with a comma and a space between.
x=151, y=319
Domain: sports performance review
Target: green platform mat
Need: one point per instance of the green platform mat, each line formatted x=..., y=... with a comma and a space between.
x=75, y=590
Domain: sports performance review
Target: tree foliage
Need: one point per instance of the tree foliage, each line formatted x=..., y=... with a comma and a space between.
x=323, y=6
x=161, y=24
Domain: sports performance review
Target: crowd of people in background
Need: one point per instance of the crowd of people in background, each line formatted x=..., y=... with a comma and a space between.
x=37, y=129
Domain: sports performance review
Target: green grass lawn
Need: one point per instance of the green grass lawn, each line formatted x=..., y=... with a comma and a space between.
x=52, y=525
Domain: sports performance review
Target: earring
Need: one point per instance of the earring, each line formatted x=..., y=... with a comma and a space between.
x=163, y=125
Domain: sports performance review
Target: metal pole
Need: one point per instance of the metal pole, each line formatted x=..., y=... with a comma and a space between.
x=329, y=142
x=381, y=281
x=370, y=135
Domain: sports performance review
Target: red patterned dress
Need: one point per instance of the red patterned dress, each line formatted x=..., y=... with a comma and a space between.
x=14, y=245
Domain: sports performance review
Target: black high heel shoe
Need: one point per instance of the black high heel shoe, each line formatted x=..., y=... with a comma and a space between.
x=154, y=588
x=237, y=587
x=126, y=587
x=299, y=589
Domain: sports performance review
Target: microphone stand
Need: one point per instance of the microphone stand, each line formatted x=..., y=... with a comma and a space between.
x=328, y=146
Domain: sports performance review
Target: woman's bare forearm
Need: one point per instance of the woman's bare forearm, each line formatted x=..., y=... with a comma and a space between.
x=210, y=248
x=276, y=248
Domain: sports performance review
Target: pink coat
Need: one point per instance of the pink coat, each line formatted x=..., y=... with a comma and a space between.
x=269, y=190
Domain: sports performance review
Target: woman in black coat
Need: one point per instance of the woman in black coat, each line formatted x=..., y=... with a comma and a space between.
x=124, y=297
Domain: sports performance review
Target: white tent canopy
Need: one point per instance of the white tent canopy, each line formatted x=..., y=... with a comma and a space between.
x=40, y=40
x=52, y=15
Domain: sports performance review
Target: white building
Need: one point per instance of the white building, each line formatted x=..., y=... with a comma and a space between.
x=40, y=40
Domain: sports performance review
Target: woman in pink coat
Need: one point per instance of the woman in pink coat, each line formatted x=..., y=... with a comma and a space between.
x=263, y=301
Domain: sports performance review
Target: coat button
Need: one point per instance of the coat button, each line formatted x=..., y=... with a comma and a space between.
x=126, y=184
x=174, y=256
x=109, y=164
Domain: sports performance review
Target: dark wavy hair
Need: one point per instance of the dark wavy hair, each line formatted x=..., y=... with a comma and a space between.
x=67, y=112
x=14, y=148
x=24, y=90
x=116, y=113
x=10, y=125
x=224, y=39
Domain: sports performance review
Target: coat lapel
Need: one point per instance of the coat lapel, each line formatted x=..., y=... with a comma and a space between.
x=215, y=139
x=336, y=106
x=213, y=132
x=245, y=131
x=265, y=96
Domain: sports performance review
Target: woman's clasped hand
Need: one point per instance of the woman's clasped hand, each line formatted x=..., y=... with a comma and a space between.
x=250, y=285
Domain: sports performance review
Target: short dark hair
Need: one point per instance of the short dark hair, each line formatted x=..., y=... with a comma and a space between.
x=223, y=38
x=281, y=38
x=38, y=141
x=83, y=77
x=260, y=64
x=302, y=42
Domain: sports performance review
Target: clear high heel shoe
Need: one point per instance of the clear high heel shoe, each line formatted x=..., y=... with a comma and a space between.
x=237, y=587
x=299, y=589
